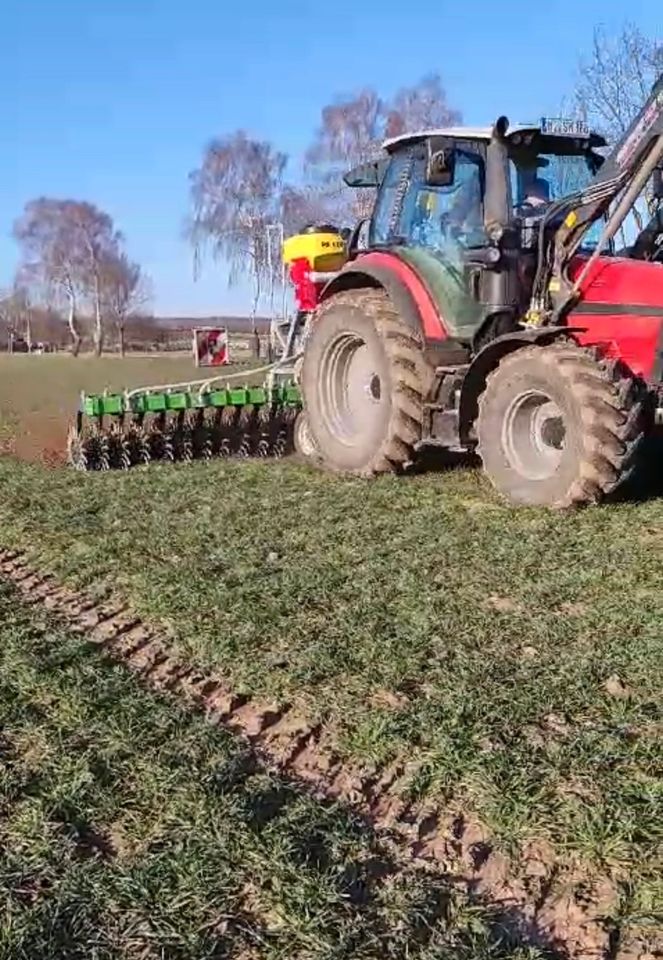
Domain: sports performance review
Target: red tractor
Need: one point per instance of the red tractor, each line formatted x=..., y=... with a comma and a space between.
x=491, y=311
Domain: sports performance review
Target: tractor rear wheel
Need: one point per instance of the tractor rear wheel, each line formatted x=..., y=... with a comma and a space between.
x=558, y=427
x=364, y=380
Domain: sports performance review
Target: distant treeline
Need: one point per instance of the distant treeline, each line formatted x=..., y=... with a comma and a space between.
x=47, y=328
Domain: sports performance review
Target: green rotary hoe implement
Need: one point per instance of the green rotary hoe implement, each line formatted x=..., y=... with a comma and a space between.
x=183, y=422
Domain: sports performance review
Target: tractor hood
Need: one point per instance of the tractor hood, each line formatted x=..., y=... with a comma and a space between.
x=622, y=283
x=621, y=312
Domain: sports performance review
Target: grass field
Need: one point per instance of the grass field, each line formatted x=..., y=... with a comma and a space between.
x=513, y=657
x=130, y=829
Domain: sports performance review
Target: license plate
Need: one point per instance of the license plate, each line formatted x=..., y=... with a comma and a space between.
x=560, y=127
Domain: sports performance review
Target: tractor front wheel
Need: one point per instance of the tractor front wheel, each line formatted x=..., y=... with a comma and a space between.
x=364, y=380
x=558, y=427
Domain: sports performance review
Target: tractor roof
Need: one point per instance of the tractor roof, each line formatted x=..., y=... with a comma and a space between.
x=485, y=133
x=547, y=140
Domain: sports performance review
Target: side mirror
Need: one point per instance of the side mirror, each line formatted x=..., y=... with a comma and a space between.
x=366, y=174
x=440, y=166
x=657, y=183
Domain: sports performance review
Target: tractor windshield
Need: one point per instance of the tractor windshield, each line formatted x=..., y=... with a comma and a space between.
x=542, y=178
x=538, y=179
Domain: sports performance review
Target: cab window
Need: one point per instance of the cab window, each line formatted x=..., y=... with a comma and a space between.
x=437, y=217
x=413, y=213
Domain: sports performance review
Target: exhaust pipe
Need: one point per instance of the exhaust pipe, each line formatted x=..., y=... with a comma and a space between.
x=499, y=282
x=497, y=202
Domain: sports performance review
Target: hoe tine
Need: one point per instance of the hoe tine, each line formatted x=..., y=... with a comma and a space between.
x=265, y=421
x=227, y=431
x=197, y=420
x=167, y=440
x=246, y=425
x=104, y=453
x=187, y=437
x=143, y=452
x=125, y=444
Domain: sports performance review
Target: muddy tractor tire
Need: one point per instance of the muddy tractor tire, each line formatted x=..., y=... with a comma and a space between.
x=364, y=380
x=559, y=427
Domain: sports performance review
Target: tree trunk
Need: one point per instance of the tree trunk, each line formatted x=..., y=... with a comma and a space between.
x=98, y=324
x=120, y=331
x=254, y=307
x=73, y=328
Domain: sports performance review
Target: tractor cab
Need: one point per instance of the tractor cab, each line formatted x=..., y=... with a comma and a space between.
x=463, y=205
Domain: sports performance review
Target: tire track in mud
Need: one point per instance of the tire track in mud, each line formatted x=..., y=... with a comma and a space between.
x=545, y=903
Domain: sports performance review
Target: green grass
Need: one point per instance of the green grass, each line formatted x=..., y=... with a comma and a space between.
x=418, y=617
x=497, y=630
x=131, y=829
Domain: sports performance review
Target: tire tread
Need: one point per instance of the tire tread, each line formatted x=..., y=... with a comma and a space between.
x=411, y=377
x=612, y=403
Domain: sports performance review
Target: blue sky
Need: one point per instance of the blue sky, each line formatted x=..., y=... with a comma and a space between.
x=113, y=100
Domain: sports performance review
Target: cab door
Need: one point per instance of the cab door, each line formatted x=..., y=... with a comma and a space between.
x=435, y=228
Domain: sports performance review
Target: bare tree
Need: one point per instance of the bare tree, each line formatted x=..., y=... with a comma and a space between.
x=421, y=107
x=94, y=233
x=353, y=129
x=350, y=133
x=63, y=244
x=51, y=257
x=7, y=315
x=16, y=313
x=235, y=195
x=124, y=292
x=303, y=205
x=616, y=79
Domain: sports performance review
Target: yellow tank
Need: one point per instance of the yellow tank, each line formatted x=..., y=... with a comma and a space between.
x=323, y=248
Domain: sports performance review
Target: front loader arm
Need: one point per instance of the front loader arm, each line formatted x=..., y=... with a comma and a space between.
x=622, y=178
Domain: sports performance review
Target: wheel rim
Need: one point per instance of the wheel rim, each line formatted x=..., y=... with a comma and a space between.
x=353, y=394
x=534, y=435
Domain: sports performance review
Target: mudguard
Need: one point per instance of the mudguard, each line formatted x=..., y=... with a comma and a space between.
x=406, y=289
